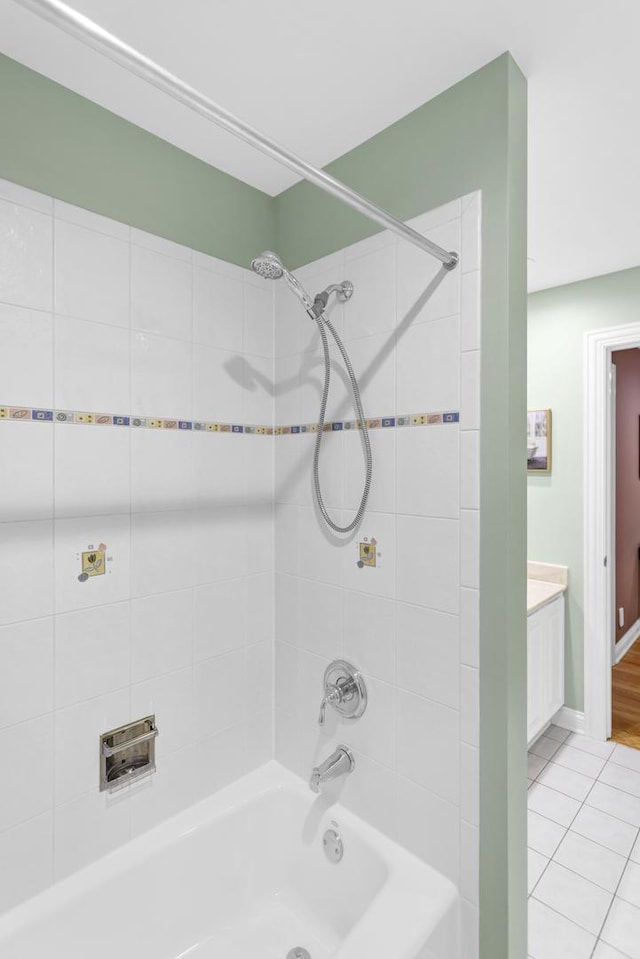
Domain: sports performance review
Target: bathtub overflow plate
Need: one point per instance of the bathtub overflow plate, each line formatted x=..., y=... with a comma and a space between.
x=333, y=848
x=298, y=952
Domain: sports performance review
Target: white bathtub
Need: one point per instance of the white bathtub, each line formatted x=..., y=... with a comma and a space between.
x=243, y=875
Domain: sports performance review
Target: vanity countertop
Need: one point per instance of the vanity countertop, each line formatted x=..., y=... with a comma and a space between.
x=545, y=582
x=540, y=593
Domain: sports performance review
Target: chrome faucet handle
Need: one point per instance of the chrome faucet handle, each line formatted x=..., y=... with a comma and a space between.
x=344, y=689
x=332, y=696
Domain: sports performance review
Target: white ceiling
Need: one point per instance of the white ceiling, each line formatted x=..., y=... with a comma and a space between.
x=322, y=78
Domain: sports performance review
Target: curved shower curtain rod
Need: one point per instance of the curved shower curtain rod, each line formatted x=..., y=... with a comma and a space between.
x=76, y=24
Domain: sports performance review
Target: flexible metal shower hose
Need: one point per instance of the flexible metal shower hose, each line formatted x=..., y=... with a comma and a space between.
x=323, y=321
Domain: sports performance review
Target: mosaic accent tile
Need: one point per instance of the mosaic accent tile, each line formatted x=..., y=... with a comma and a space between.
x=87, y=418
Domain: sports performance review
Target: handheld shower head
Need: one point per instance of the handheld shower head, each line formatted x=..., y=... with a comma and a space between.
x=269, y=266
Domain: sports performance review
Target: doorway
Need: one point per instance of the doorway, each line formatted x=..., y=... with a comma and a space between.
x=611, y=541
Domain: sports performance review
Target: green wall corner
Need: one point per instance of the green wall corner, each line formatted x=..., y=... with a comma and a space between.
x=65, y=146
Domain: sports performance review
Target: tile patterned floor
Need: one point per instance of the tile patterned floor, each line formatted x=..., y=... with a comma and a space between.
x=584, y=848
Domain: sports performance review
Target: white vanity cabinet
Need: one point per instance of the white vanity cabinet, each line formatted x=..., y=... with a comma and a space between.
x=545, y=661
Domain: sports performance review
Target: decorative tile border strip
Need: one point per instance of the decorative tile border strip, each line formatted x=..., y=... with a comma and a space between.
x=30, y=414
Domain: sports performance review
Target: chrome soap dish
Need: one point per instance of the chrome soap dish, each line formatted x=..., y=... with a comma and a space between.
x=128, y=753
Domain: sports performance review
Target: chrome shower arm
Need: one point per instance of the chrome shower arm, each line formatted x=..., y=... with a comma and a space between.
x=90, y=33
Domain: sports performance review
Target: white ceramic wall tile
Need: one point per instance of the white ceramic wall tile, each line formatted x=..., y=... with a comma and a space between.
x=93, y=653
x=258, y=319
x=92, y=470
x=28, y=794
x=28, y=849
x=219, y=618
x=321, y=634
x=470, y=784
x=26, y=471
x=372, y=308
x=26, y=557
x=171, y=698
x=435, y=764
x=469, y=626
x=218, y=384
x=470, y=548
x=428, y=577
x=469, y=469
x=77, y=731
x=26, y=677
x=26, y=241
x=220, y=468
x=162, y=470
x=469, y=862
x=258, y=671
x=258, y=390
x=428, y=472
x=161, y=634
x=370, y=634
x=162, y=551
x=161, y=293
x=428, y=361
x=161, y=376
x=425, y=290
x=217, y=310
x=26, y=357
x=91, y=366
x=382, y=495
x=221, y=759
x=164, y=794
x=96, y=682
x=470, y=391
x=217, y=682
x=75, y=536
x=470, y=311
x=427, y=653
x=91, y=275
x=470, y=705
x=88, y=828
x=428, y=827
x=259, y=607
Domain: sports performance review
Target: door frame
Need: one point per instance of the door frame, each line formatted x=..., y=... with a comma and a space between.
x=599, y=523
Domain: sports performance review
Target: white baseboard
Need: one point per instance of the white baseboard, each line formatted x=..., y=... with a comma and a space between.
x=624, y=645
x=569, y=719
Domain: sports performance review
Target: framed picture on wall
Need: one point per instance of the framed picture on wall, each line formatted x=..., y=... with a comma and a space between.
x=539, y=441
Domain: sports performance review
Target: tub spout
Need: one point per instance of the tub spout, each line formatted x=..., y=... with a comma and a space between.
x=339, y=763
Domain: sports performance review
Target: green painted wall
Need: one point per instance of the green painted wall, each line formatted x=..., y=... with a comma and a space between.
x=61, y=144
x=471, y=137
x=558, y=320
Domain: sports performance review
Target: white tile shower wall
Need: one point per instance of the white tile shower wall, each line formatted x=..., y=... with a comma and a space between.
x=411, y=624
x=100, y=317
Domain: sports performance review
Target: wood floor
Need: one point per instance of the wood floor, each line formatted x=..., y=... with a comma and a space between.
x=626, y=699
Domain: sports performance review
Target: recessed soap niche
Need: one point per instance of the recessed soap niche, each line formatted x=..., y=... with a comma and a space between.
x=128, y=754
